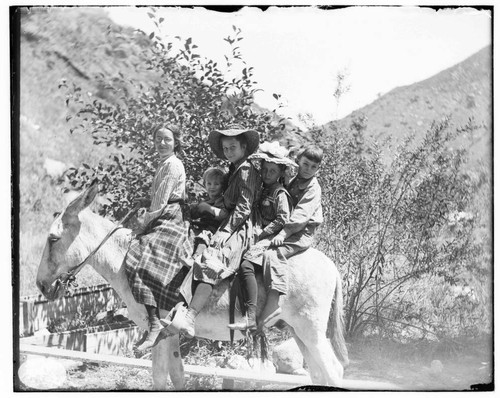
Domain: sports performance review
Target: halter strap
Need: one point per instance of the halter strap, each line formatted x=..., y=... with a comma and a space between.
x=71, y=275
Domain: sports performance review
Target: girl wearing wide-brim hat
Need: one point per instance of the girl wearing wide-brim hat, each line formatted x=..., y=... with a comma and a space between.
x=235, y=234
x=273, y=211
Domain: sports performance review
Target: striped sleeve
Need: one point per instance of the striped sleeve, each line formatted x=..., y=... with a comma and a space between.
x=168, y=184
x=245, y=185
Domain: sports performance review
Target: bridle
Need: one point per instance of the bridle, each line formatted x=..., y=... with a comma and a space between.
x=68, y=279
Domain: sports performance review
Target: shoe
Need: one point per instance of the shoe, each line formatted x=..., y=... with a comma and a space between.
x=183, y=321
x=149, y=342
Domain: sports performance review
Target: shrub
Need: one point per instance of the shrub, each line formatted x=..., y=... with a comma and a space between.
x=389, y=227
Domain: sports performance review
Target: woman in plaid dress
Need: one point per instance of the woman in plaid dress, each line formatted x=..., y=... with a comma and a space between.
x=236, y=233
x=155, y=264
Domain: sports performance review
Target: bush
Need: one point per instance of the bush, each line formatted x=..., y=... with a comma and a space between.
x=387, y=228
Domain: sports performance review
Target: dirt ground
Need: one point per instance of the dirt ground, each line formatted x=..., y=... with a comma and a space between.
x=411, y=367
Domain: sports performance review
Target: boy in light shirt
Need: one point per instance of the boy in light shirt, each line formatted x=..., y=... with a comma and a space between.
x=298, y=233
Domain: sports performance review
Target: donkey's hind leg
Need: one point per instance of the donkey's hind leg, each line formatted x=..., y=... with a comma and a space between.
x=313, y=368
x=321, y=352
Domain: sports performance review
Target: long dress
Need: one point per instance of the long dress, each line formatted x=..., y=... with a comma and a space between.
x=156, y=263
x=239, y=198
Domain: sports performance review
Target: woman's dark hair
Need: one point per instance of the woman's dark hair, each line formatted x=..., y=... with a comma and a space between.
x=176, y=131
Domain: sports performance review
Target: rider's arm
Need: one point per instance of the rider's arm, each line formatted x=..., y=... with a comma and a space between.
x=244, y=187
x=282, y=215
x=308, y=210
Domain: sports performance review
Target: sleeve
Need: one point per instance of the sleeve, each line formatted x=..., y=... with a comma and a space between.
x=304, y=211
x=220, y=213
x=170, y=176
x=248, y=180
x=282, y=215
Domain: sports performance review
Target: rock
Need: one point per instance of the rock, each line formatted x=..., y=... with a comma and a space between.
x=287, y=358
x=54, y=168
x=253, y=364
x=42, y=373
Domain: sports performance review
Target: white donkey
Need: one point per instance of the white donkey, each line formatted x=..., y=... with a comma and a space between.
x=314, y=288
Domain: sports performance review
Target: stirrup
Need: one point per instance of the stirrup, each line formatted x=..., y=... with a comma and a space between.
x=243, y=326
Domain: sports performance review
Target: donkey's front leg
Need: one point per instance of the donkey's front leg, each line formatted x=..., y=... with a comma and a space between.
x=167, y=361
x=160, y=365
x=174, y=363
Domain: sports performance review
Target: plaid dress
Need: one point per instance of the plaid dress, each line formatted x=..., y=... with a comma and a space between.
x=239, y=198
x=155, y=263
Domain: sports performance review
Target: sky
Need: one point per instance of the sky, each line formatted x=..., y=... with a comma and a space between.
x=298, y=52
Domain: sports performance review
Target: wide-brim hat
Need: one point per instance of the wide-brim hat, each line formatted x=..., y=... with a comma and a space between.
x=273, y=152
x=214, y=140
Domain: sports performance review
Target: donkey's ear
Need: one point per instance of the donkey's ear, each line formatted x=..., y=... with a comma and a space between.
x=83, y=200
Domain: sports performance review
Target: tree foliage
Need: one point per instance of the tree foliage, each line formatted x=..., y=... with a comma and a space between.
x=190, y=91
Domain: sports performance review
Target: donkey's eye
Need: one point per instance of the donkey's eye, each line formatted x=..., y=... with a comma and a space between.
x=56, y=214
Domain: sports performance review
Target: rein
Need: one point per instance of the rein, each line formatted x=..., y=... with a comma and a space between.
x=68, y=279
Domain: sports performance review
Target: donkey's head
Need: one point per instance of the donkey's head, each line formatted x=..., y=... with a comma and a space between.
x=65, y=247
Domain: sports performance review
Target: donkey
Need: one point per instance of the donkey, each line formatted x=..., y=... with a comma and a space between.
x=314, y=288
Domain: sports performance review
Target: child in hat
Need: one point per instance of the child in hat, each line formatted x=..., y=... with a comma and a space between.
x=298, y=232
x=222, y=258
x=274, y=209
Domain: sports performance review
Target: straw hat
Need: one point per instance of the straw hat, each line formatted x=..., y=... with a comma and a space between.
x=214, y=140
x=273, y=152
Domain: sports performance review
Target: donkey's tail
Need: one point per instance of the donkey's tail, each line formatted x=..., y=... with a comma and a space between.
x=335, y=331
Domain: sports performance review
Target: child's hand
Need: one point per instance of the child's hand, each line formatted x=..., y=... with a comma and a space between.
x=277, y=240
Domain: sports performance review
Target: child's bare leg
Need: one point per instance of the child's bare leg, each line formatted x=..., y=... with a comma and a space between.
x=271, y=309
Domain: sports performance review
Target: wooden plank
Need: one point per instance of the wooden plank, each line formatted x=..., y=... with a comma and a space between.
x=193, y=370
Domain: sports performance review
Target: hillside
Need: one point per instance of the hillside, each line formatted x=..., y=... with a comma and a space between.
x=462, y=91
x=76, y=45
